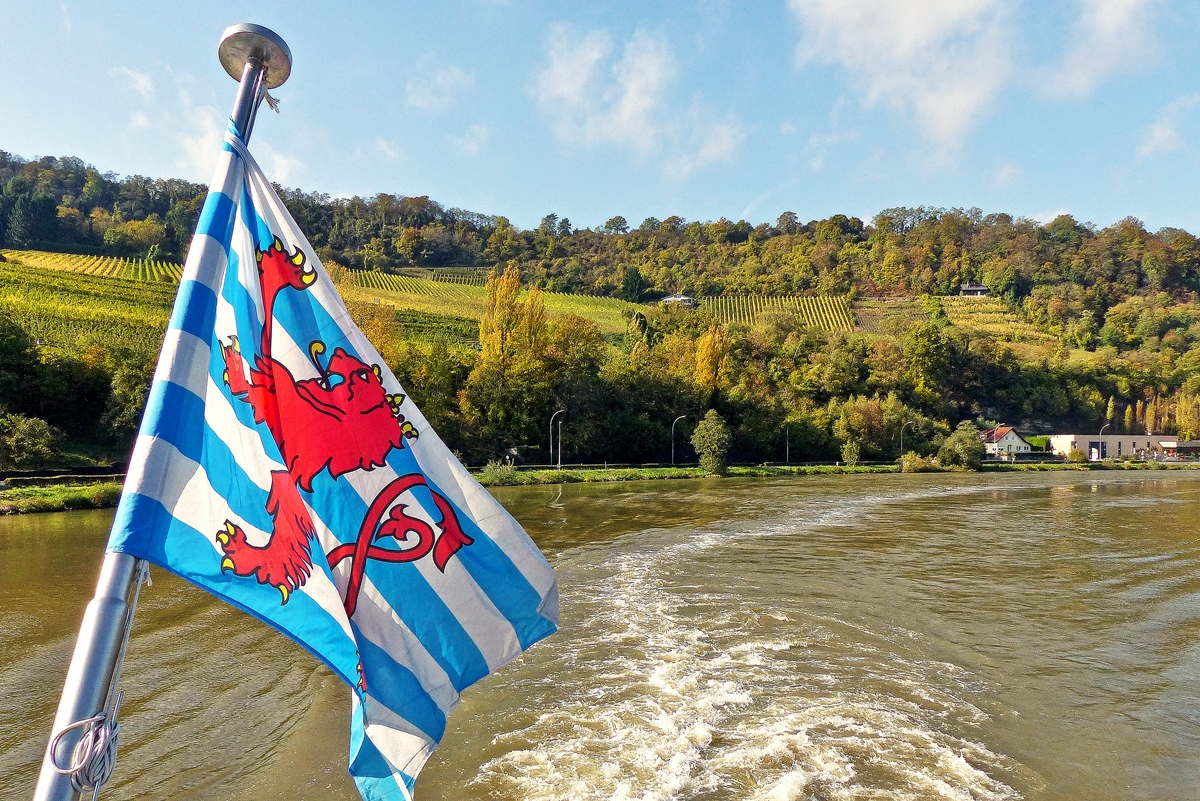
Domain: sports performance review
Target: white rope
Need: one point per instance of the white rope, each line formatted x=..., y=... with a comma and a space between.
x=95, y=755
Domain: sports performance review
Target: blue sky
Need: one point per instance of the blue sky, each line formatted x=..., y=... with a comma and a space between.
x=701, y=109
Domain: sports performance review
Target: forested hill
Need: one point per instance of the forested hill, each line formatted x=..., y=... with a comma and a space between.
x=1064, y=274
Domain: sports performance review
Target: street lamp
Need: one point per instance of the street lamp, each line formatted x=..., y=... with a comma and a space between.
x=787, y=444
x=673, y=422
x=556, y=414
x=906, y=423
x=1100, y=452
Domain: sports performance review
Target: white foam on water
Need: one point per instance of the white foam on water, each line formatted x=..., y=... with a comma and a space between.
x=668, y=687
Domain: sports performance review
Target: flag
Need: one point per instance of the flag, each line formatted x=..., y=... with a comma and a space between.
x=280, y=466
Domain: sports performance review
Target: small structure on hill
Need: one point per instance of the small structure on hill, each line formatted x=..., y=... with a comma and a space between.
x=973, y=290
x=1003, y=442
x=682, y=300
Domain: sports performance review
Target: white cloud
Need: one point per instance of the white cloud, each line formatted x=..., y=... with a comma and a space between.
x=66, y=17
x=434, y=90
x=388, y=149
x=627, y=104
x=1008, y=174
x=141, y=82
x=590, y=109
x=1162, y=136
x=199, y=130
x=710, y=142
x=1109, y=37
x=1047, y=217
x=277, y=167
x=942, y=61
x=471, y=141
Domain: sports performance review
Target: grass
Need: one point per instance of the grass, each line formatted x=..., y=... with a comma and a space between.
x=100, y=495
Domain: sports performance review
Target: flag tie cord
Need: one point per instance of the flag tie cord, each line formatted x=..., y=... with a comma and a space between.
x=95, y=755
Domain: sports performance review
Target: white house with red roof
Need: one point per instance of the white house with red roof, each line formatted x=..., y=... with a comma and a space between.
x=1004, y=441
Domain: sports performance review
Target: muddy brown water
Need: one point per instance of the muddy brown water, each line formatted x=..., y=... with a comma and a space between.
x=856, y=637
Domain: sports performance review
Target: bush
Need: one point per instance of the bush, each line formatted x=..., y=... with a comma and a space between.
x=850, y=453
x=1077, y=456
x=497, y=473
x=912, y=462
x=27, y=442
x=962, y=449
x=711, y=439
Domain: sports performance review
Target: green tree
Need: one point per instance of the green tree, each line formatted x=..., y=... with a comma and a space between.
x=963, y=448
x=634, y=285
x=712, y=439
x=27, y=442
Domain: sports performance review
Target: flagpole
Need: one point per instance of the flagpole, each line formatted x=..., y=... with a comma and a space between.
x=259, y=60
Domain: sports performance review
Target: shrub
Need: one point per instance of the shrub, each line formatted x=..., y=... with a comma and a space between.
x=963, y=448
x=711, y=439
x=912, y=462
x=27, y=441
x=1077, y=456
x=850, y=453
x=498, y=473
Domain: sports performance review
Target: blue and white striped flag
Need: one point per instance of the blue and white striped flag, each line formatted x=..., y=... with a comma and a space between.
x=280, y=466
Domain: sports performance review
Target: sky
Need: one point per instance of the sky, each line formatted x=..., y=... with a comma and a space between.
x=701, y=109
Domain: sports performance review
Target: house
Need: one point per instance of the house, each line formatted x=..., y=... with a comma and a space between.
x=682, y=300
x=973, y=290
x=1004, y=441
x=1118, y=446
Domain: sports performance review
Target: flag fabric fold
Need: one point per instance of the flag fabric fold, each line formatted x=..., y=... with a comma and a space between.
x=280, y=466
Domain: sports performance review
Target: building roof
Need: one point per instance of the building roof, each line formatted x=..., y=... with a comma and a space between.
x=998, y=433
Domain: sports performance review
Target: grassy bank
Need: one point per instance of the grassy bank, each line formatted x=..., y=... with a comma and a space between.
x=509, y=477
x=99, y=495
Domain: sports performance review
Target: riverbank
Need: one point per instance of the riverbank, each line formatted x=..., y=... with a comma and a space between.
x=59, y=498
x=507, y=476
x=105, y=494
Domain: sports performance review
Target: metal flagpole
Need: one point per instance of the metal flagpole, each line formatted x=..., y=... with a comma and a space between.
x=82, y=748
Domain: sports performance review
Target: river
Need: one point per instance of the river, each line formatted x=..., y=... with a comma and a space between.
x=1021, y=636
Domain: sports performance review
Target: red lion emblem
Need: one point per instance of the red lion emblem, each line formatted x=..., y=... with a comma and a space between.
x=341, y=421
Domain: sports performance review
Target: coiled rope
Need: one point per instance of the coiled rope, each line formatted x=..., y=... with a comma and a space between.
x=95, y=755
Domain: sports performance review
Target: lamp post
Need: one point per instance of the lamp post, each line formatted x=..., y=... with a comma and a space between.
x=556, y=414
x=787, y=444
x=560, y=444
x=906, y=423
x=1100, y=451
x=673, y=422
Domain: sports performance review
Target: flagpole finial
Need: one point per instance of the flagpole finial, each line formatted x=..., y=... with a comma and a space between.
x=242, y=42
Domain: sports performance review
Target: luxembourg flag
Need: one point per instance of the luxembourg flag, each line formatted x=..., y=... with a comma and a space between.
x=281, y=467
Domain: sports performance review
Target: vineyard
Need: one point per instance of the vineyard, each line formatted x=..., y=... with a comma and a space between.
x=71, y=312
x=452, y=298
x=889, y=316
x=103, y=266
x=988, y=315
x=826, y=313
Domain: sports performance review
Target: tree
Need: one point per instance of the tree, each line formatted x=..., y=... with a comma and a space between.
x=616, y=225
x=963, y=448
x=1129, y=419
x=712, y=439
x=26, y=441
x=634, y=285
x=850, y=452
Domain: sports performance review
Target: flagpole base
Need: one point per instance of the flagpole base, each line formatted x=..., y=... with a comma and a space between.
x=90, y=674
